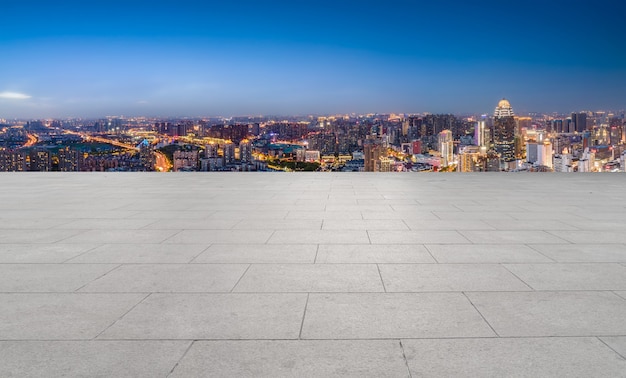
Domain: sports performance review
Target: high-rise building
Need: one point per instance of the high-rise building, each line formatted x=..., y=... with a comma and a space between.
x=39, y=160
x=468, y=159
x=480, y=138
x=229, y=153
x=70, y=160
x=372, y=150
x=446, y=146
x=245, y=150
x=504, y=131
x=579, y=121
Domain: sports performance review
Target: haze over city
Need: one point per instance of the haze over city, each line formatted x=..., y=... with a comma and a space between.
x=182, y=58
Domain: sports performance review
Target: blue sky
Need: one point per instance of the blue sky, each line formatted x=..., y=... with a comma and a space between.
x=193, y=58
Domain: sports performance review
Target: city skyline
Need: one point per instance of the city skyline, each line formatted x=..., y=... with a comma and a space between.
x=184, y=59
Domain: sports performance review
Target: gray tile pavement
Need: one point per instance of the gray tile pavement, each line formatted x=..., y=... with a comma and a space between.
x=312, y=275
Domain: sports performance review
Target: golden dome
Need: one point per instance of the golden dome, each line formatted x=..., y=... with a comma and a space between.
x=504, y=104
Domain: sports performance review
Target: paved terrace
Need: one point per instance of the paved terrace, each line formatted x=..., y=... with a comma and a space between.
x=275, y=274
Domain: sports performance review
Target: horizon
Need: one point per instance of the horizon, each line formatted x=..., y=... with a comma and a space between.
x=82, y=60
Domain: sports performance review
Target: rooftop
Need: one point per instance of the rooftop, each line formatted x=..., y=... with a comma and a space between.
x=319, y=274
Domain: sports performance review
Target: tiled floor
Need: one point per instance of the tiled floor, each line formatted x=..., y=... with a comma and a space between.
x=320, y=274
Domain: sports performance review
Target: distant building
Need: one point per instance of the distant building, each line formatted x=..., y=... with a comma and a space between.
x=70, y=160
x=469, y=159
x=446, y=147
x=245, y=151
x=504, y=132
x=229, y=153
x=579, y=122
x=372, y=151
x=12, y=161
x=39, y=160
x=185, y=160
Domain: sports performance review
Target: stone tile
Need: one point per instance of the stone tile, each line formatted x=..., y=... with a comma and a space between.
x=191, y=224
x=105, y=224
x=156, y=215
x=319, y=215
x=247, y=214
x=258, y=253
x=120, y=236
x=420, y=224
x=448, y=277
x=571, y=276
x=364, y=224
x=485, y=253
x=311, y=278
x=93, y=214
x=31, y=224
x=502, y=357
x=392, y=315
x=41, y=236
x=403, y=215
x=89, y=358
x=511, y=237
x=368, y=253
x=160, y=278
x=61, y=316
x=592, y=237
x=280, y=224
x=140, y=253
x=556, y=214
x=583, y=252
x=212, y=316
x=319, y=236
x=617, y=343
x=41, y=253
x=365, y=207
x=598, y=225
x=48, y=277
x=416, y=237
x=219, y=236
x=582, y=313
x=537, y=224
x=297, y=358
x=471, y=215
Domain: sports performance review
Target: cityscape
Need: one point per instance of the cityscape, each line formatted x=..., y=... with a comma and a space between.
x=584, y=141
x=247, y=188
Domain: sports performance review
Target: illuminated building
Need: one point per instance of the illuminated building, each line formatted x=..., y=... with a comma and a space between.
x=39, y=160
x=12, y=161
x=245, y=150
x=468, y=159
x=70, y=160
x=504, y=131
x=479, y=133
x=446, y=146
x=372, y=151
x=385, y=164
x=229, y=153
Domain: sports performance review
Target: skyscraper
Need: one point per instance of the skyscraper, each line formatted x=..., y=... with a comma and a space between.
x=579, y=122
x=445, y=147
x=504, y=131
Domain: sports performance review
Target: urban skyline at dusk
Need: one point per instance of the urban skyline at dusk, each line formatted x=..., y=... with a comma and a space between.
x=179, y=58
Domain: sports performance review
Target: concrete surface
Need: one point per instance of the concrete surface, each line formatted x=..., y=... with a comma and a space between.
x=312, y=274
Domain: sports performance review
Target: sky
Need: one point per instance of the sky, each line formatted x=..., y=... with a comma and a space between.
x=208, y=58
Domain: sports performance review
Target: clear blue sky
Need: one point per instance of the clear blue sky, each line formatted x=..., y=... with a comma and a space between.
x=95, y=58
